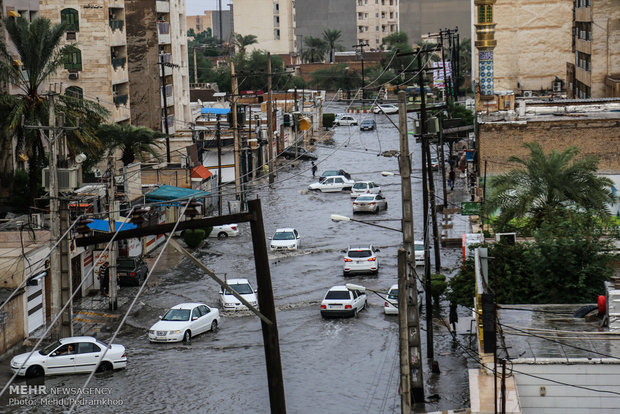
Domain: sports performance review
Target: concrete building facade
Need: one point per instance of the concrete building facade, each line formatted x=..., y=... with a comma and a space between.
x=211, y=20
x=376, y=20
x=98, y=69
x=158, y=64
x=419, y=17
x=594, y=70
x=315, y=16
x=271, y=21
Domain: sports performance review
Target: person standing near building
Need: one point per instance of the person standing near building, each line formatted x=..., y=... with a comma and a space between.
x=314, y=169
x=451, y=178
x=454, y=317
x=104, y=278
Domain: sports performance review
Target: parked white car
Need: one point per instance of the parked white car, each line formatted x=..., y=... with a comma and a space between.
x=225, y=230
x=184, y=321
x=77, y=354
x=419, y=253
x=369, y=203
x=385, y=109
x=285, y=239
x=242, y=287
x=390, y=307
x=364, y=187
x=346, y=120
x=340, y=301
x=361, y=260
x=333, y=184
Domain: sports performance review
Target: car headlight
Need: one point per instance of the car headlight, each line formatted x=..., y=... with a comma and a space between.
x=272, y=246
x=174, y=332
x=151, y=332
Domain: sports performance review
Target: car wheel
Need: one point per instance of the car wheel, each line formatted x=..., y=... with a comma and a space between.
x=222, y=235
x=213, y=326
x=35, y=371
x=385, y=206
x=355, y=313
x=104, y=367
x=187, y=337
x=376, y=210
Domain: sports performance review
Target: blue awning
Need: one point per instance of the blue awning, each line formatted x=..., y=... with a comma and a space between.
x=169, y=192
x=103, y=225
x=215, y=111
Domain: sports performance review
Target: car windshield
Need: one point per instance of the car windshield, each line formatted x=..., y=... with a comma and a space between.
x=393, y=294
x=359, y=253
x=125, y=262
x=367, y=122
x=242, y=289
x=50, y=348
x=338, y=294
x=284, y=235
x=419, y=247
x=360, y=186
x=176, y=315
x=329, y=173
x=365, y=198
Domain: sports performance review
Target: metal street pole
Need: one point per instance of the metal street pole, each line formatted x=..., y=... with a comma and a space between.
x=408, y=307
x=163, y=92
x=235, y=128
x=218, y=139
x=113, y=302
x=270, y=121
x=55, y=279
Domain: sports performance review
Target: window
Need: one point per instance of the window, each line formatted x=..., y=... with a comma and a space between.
x=391, y=28
x=74, y=60
x=74, y=92
x=485, y=14
x=338, y=294
x=376, y=28
x=203, y=309
x=70, y=18
x=276, y=34
x=276, y=21
x=195, y=313
x=87, y=348
x=360, y=16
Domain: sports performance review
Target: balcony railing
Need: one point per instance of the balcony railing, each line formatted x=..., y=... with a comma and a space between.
x=163, y=27
x=73, y=66
x=120, y=100
x=118, y=62
x=116, y=24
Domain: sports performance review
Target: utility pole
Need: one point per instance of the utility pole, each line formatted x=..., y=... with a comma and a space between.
x=195, y=68
x=270, y=120
x=218, y=140
x=113, y=303
x=237, y=147
x=431, y=185
x=361, y=47
x=163, y=92
x=409, y=318
x=219, y=12
x=425, y=163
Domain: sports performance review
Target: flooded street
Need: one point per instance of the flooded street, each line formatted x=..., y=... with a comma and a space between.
x=337, y=365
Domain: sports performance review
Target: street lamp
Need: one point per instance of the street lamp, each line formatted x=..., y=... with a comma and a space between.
x=360, y=288
x=338, y=217
x=388, y=173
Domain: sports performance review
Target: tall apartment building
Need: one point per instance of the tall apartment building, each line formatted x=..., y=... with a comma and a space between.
x=98, y=69
x=158, y=67
x=273, y=24
x=214, y=20
x=595, y=70
x=376, y=19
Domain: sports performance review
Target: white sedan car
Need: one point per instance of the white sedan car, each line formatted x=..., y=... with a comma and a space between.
x=390, y=306
x=340, y=301
x=285, y=239
x=361, y=260
x=333, y=184
x=385, y=109
x=184, y=321
x=345, y=120
x=242, y=287
x=369, y=203
x=77, y=354
x=419, y=253
x=364, y=187
x=225, y=230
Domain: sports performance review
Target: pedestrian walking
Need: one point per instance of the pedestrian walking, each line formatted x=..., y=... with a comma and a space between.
x=454, y=317
x=451, y=179
x=314, y=168
x=104, y=278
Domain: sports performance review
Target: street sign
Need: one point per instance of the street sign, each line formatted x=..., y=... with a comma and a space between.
x=470, y=208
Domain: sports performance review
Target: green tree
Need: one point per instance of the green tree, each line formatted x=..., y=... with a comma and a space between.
x=331, y=37
x=546, y=188
x=133, y=142
x=315, y=49
x=37, y=57
x=241, y=42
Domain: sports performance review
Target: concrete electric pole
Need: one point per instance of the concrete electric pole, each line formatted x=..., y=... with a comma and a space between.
x=270, y=121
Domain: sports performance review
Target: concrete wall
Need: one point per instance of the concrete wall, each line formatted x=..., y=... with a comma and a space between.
x=533, y=43
x=419, y=17
x=558, y=398
x=605, y=44
x=314, y=16
x=594, y=137
x=257, y=17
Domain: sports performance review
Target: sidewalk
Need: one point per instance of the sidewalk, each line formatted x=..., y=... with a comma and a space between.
x=453, y=224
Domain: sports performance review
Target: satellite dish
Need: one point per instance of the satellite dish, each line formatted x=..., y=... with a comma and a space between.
x=80, y=158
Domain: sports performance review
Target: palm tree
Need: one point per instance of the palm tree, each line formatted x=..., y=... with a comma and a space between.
x=133, y=142
x=315, y=51
x=38, y=57
x=242, y=41
x=546, y=187
x=331, y=37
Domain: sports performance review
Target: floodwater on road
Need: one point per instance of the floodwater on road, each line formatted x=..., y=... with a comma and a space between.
x=336, y=365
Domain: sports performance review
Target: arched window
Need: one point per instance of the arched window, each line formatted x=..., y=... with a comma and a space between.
x=71, y=19
x=75, y=92
x=74, y=60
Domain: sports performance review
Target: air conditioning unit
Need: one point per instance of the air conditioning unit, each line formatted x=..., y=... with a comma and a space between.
x=527, y=94
x=74, y=76
x=557, y=86
x=36, y=221
x=68, y=178
x=508, y=238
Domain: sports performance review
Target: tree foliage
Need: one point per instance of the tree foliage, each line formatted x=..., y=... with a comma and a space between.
x=314, y=50
x=241, y=42
x=133, y=142
x=331, y=37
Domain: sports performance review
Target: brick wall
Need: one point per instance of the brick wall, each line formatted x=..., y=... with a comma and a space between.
x=595, y=137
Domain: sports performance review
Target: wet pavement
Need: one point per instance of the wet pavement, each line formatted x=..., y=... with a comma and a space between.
x=339, y=365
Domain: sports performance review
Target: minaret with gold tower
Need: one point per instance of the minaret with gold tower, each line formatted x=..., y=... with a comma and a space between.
x=485, y=43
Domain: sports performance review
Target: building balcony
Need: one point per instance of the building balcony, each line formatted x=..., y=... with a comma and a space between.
x=583, y=76
x=117, y=38
x=120, y=113
x=169, y=96
x=171, y=128
x=119, y=62
x=584, y=46
x=119, y=74
x=583, y=14
x=167, y=58
x=121, y=99
x=163, y=30
x=116, y=25
x=162, y=6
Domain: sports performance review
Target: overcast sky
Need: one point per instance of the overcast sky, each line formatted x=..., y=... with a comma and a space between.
x=196, y=7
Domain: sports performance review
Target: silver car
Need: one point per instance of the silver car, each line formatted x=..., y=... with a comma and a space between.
x=369, y=203
x=364, y=187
